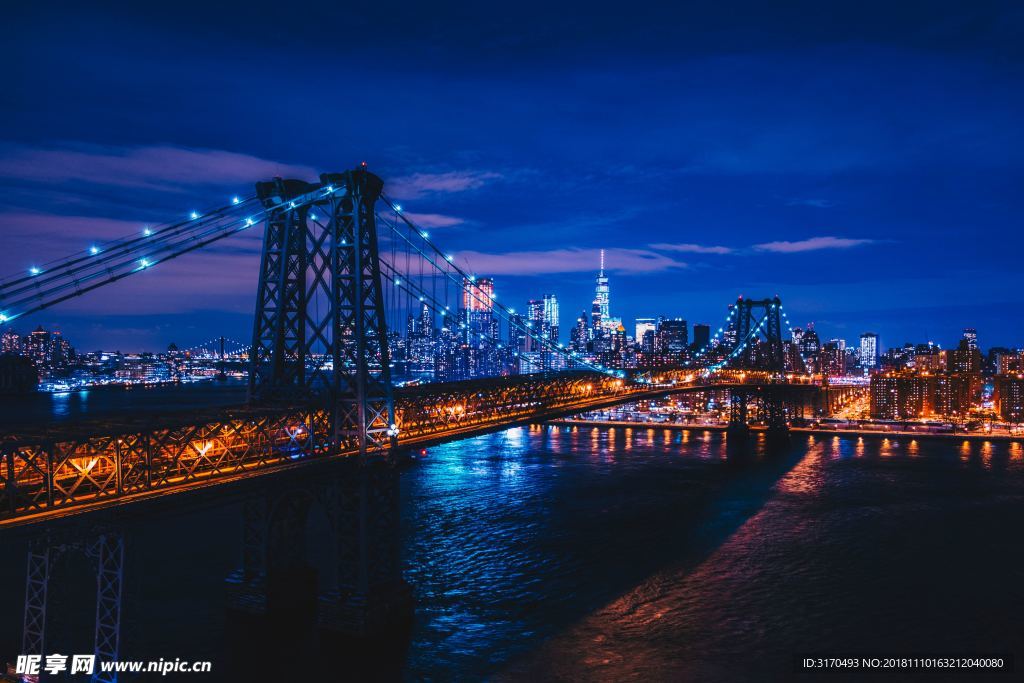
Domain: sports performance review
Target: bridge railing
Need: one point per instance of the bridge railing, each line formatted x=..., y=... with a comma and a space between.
x=45, y=473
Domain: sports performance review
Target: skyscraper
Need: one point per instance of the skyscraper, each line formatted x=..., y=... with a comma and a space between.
x=701, y=335
x=971, y=335
x=869, y=350
x=551, y=316
x=601, y=298
x=581, y=334
x=672, y=336
x=478, y=295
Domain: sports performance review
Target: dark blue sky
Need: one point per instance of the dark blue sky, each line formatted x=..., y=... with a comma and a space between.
x=864, y=162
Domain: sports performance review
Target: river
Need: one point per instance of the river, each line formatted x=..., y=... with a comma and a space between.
x=581, y=553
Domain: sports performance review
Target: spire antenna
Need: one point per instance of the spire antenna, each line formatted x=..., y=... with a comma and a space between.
x=602, y=262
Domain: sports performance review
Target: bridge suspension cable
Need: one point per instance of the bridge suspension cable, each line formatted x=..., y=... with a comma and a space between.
x=109, y=262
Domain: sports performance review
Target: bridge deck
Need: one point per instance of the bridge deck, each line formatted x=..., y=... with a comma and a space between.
x=75, y=467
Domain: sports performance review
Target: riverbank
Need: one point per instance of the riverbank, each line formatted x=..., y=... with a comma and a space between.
x=823, y=431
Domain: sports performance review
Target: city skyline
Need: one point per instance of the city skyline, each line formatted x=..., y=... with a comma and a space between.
x=484, y=288
x=852, y=157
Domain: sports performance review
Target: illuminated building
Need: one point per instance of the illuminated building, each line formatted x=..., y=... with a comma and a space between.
x=602, y=293
x=930, y=359
x=644, y=325
x=965, y=358
x=1009, y=397
x=950, y=395
x=580, y=336
x=906, y=395
x=810, y=344
x=869, y=350
x=971, y=337
x=550, y=317
x=897, y=396
x=1009, y=362
x=517, y=332
x=798, y=335
x=478, y=295
x=832, y=359
x=672, y=337
x=11, y=342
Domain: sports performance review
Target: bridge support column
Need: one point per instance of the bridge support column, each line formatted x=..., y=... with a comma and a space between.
x=109, y=553
x=246, y=587
x=773, y=404
x=107, y=550
x=738, y=431
x=371, y=596
x=37, y=584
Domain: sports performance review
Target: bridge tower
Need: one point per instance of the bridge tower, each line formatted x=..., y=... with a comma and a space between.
x=320, y=340
x=754, y=318
x=319, y=334
x=769, y=355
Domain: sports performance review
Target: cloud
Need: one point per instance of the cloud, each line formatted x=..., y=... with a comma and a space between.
x=433, y=220
x=157, y=167
x=419, y=184
x=812, y=244
x=691, y=248
x=816, y=203
x=566, y=261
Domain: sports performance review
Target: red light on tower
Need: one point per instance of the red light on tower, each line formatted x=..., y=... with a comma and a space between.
x=363, y=164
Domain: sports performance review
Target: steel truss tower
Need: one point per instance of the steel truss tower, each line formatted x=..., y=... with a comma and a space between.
x=319, y=334
x=320, y=338
x=754, y=318
x=770, y=355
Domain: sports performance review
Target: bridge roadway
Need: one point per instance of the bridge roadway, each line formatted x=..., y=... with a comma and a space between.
x=73, y=468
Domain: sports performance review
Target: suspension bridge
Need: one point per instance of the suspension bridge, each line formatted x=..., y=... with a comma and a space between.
x=342, y=268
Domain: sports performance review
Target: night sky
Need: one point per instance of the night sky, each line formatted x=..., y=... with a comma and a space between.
x=862, y=161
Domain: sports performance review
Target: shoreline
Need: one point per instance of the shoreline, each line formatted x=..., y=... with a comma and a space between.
x=824, y=431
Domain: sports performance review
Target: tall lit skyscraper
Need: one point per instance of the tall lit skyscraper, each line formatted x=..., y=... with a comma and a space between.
x=601, y=295
x=478, y=295
x=869, y=350
x=551, y=316
x=971, y=335
x=672, y=336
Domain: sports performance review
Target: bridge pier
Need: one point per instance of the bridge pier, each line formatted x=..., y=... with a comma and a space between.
x=107, y=550
x=773, y=405
x=737, y=435
x=366, y=596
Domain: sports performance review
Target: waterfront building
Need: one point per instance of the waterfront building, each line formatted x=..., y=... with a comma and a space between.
x=897, y=396
x=1009, y=397
x=908, y=395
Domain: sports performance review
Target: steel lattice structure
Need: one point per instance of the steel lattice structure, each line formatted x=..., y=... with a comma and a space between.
x=319, y=335
x=105, y=463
